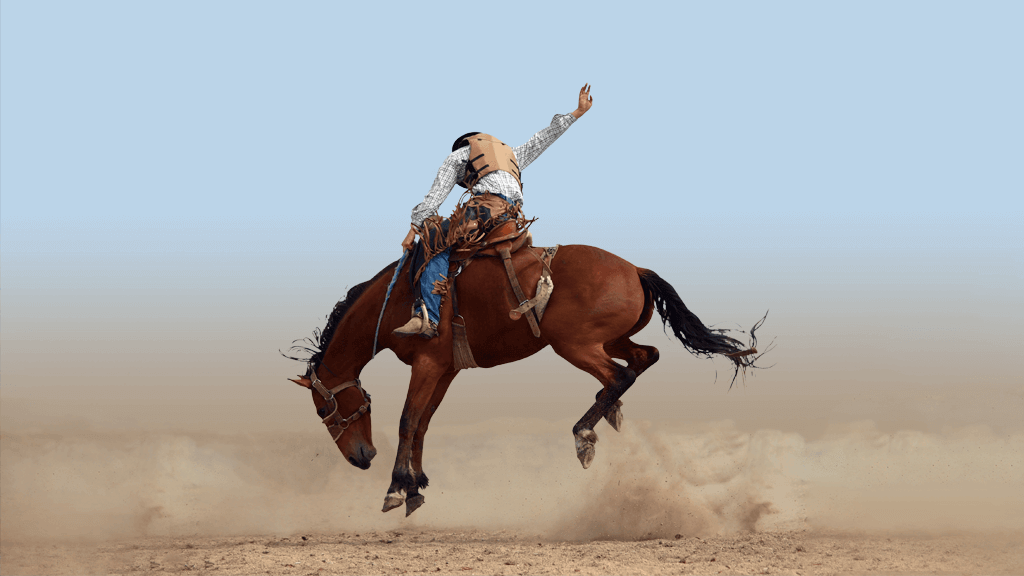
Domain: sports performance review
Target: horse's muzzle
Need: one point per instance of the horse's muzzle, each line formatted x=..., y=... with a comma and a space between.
x=363, y=460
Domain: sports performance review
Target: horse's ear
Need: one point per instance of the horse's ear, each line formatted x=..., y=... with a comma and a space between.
x=306, y=382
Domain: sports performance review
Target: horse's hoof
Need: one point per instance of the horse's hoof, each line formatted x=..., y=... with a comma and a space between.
x=614, y=416
x=392, y=501
x=414, y=502
x=585, y=449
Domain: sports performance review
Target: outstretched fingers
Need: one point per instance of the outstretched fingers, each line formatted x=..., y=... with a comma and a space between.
x=586, y=100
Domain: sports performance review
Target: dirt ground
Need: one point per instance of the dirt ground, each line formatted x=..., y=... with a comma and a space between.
x=478, y=552
x=192, y=494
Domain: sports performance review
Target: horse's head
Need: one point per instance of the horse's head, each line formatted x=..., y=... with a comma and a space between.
x=339, y=352
x=345, y=410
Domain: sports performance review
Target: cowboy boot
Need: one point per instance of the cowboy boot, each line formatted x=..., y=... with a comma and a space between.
x=419, y=324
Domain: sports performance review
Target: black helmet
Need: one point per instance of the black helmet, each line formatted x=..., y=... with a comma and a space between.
x=461, y=140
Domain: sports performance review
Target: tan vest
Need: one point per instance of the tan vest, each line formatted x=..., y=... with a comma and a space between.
x=487, y=154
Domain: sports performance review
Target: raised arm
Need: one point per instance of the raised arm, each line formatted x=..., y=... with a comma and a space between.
x=540, y=141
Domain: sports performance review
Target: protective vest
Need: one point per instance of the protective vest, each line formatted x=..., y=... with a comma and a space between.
x=487, y=154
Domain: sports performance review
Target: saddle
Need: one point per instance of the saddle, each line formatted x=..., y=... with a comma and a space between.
x=505, y=236
x=461, y=232
x=506, y=239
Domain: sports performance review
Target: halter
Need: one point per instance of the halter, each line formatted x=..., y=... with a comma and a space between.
x=328, y=395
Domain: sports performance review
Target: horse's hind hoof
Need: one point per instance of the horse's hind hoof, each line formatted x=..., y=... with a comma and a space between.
x=414, y=502
x=614, y=416
x=585, y=449
x=392, y=501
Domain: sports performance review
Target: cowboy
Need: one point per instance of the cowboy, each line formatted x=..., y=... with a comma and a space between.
x=494, y=168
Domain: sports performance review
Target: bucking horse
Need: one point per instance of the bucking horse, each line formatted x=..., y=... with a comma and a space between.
x=594, y=303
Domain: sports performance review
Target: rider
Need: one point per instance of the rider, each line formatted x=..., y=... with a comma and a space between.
x=497, y=180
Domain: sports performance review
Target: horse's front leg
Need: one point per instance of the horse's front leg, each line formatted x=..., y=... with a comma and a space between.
x=414, y=500
x=425, y=376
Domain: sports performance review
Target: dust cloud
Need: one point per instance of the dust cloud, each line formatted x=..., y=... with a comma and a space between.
x=88, y=482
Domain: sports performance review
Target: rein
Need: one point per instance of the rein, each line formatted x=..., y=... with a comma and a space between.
x=328, y=395
x=386, y=296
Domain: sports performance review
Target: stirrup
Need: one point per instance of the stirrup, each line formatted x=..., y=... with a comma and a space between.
x=429, y=330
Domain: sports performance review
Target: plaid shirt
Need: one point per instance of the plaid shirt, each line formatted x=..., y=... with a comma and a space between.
x=453, y=170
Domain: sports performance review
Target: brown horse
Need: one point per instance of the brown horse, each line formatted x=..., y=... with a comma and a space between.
x=598, y=303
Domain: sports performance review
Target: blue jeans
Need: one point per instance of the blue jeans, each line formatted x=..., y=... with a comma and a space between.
x=437, y=269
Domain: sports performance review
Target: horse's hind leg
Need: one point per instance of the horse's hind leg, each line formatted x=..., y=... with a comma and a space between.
x=614, y=414
x=616, y=379
x=638, y=358
x=413, y=498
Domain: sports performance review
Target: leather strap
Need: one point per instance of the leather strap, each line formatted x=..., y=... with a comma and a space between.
x=506, y=257
x=328, y=395
x=484, y=249
x=462, y=355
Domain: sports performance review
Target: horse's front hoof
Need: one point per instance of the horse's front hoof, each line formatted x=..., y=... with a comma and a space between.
x=414, y=502
x=585, y=449
x=614, y=416
x=392, y=501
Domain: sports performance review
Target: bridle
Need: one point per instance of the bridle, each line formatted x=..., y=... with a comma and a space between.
x=328, y=395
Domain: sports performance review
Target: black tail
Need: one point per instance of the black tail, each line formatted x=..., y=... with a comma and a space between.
x=700, y=340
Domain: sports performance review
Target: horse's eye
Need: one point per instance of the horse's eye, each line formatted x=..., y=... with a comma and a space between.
x=369, y=409
x=322, y=412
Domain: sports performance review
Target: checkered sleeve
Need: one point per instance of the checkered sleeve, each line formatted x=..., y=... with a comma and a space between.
x=533, y=148
x=452, y=170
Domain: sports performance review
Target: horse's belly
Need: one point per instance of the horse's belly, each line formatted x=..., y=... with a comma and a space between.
x=597, y=297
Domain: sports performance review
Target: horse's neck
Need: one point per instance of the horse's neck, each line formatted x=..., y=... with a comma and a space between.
x=351, y=348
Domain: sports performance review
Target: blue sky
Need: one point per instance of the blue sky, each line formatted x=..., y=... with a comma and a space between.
x=179, y=178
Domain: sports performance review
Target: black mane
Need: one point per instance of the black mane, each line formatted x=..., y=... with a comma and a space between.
x=317, y=345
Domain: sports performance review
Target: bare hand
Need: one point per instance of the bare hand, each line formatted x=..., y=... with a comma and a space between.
x=586, y=101
x=407, y=243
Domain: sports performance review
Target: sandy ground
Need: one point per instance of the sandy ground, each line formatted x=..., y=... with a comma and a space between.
x=478, y=552
x=184, y=490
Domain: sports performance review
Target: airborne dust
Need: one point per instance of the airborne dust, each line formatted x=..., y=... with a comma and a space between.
x=82, y=472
